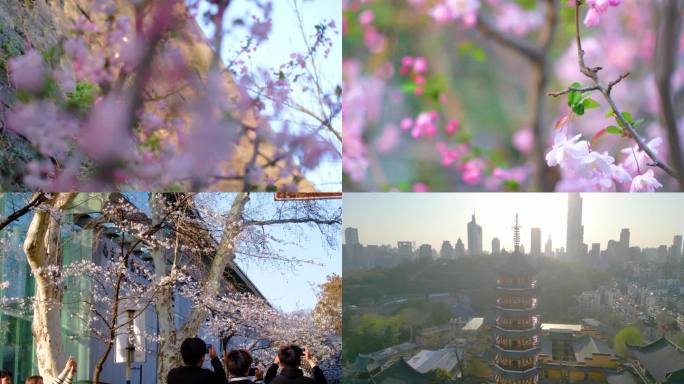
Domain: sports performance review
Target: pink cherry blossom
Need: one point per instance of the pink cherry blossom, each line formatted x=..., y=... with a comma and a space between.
x=566, y=152
x=452, y=126
x=645, y=182
x=523, y=140
x=420, y=187
x=27, y=72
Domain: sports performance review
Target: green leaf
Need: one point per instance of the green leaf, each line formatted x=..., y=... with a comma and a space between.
x=578, y=109
x=408, y=87
x=628, y=116
x=591, y=104
x=511, y=185
x=613, y=130
x=610, y=113
x=574, y=97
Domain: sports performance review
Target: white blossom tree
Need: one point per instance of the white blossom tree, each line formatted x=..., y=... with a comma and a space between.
x=192, y=246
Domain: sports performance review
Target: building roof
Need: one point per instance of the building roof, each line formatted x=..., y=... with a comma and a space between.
x=385, y=354
x=474, y=324
x=561, y=327
x=660, y=358
x=401, y=373
x=426, y=361
x=586, y=346
x=624, y=377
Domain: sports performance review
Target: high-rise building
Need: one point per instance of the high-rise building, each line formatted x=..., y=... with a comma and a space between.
x=405, y=250
x=548, y=248
x=459, y=249
x=447, y=251
x=535, y=242
x=351, y=236
x=595, y=254
x=517, y=321
x=676, y=250
x=474, y=238
x=624, y=238
x=575, y=230
x=496, y=246
x=425, y=252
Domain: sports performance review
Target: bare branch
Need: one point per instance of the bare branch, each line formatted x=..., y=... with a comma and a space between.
x=36, y=200
x=530, y=51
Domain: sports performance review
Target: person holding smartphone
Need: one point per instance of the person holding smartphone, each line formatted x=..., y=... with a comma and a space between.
x=289, y=361
x=192, y=351
x=238, y=363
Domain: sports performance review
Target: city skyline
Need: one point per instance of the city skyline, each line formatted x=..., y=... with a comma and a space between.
x=437, y=217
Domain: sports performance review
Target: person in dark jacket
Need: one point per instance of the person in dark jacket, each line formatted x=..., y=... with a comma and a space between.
x=289, y=360
x=238, y=362
x=192, y=351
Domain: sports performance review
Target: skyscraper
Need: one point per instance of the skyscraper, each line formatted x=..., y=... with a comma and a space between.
x=496, y=246
x=548, y=248
x=535, y=242
x=575, y=230
x=474, y=238
x=405, y=250
x=624, y=238
x=447, y=251
x=425, y=252
x=351, y=236
x=459, y=249
x=676, y=249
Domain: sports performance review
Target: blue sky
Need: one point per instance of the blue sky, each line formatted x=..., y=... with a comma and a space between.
x=431, y=218
x=285, y=39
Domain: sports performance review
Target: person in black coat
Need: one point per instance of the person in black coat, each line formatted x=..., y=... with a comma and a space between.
x=192, y=351
x=289, y=359
x=238, y=363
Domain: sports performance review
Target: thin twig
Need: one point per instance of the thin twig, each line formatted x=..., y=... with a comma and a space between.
x=592, y=73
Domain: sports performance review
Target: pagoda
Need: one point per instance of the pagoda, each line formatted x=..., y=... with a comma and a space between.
x=517, y=320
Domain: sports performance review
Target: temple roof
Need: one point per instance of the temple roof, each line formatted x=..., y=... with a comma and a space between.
x=586, y=346
x=401, y=373
x=661, y=359
x=426, y=361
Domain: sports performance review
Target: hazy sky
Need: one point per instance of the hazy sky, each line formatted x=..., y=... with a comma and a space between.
x=385, y=218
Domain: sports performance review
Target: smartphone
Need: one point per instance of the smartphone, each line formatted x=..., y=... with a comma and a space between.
x=208, y=347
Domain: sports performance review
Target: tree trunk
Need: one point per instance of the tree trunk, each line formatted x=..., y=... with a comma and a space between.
x=167, y=349
x=225, y=253
x=42, y=250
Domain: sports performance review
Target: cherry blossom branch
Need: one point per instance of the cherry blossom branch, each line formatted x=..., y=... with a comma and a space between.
x=592, y=74
x=588, y=89
x=667, y=46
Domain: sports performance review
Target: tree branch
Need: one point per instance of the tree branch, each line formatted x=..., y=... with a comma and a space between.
x=592, y=73
x=36, y=200
x=295, y=220
x=486, y=26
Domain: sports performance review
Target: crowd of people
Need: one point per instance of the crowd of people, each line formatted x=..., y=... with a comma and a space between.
x=238, y=367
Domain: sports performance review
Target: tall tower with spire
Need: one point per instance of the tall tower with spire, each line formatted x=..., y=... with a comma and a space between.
x=517, y=319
